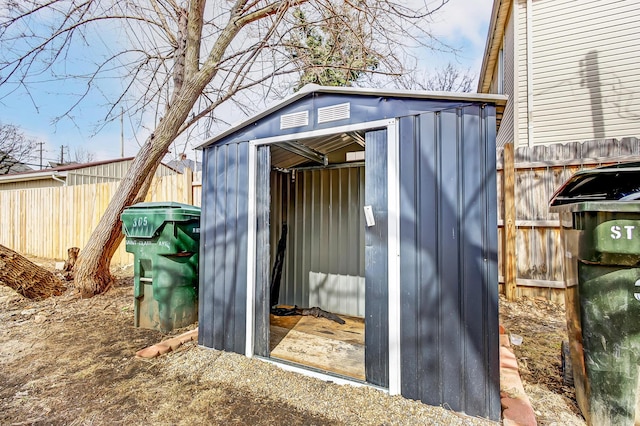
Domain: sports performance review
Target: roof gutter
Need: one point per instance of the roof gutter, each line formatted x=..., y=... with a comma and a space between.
x=23, y=177
x=56, y=178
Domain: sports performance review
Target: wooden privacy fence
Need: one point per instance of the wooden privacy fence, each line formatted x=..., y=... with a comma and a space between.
x=45, y=222
x=531, y=258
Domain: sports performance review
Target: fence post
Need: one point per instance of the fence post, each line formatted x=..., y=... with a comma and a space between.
x=509, y=215
x=188, y=176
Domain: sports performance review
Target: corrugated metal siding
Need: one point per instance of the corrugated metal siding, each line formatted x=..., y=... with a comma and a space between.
x=30, y=184
x=506, y=132
x=323, y=210
x=108, y=172
x=262, y=308
x=376, y=332
x=449, y=311
x=585, y=70
x=448, y=250
x=223, y=248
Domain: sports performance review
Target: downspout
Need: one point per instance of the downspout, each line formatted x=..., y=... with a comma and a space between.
x=55, y=177
x=529, y=74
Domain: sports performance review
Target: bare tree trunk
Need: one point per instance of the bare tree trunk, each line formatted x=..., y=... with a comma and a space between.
x=27, y=278
x=92, y=274
x=92, y=270
x=67, y=270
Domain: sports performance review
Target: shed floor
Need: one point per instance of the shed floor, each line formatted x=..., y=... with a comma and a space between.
x=320, y=343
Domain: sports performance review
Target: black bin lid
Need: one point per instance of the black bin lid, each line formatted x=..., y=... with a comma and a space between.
x=620, y=182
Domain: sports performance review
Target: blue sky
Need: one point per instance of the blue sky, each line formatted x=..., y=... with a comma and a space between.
x=461, y=24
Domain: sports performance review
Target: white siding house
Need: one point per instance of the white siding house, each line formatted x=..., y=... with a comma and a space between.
x=569, y=68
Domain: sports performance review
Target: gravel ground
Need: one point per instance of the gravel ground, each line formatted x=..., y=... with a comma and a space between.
x=337, y=403
x=66, y=360
x=70, y=361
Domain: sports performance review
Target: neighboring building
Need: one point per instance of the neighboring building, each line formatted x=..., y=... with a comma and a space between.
x=185, y=163
x=9, y=164
x=569, y=69
x=74, y=174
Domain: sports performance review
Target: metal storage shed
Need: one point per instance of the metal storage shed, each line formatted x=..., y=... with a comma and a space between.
x=419, y=268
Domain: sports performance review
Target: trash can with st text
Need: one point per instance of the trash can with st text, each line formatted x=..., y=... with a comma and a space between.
x=164, y=238
x=599, y=212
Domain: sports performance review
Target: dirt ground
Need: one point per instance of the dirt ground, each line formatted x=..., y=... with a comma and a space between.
x=70, y=361
x=542, y=326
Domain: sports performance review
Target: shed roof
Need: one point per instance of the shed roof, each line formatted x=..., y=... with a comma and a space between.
x=498, y=100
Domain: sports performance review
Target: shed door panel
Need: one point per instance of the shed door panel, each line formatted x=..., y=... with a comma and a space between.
x=223, y=255
x=263, y=204
x=376, y=261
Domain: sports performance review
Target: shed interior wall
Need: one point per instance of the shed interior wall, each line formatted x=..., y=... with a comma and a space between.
x=324, y=258
x=324, y=262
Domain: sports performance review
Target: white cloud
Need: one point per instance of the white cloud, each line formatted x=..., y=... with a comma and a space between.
x=462, y=25
x=463, y=20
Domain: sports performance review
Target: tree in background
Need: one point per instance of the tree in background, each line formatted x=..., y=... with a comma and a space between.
x=444, y=79
x=326, y=53
x=16, y=150
x=179, y=61
x=451, y=79
x=82, y=155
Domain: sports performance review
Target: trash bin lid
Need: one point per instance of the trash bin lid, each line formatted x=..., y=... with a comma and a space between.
x=165, y=205
x=599, y=206
x=618, y=183
x=144, y=219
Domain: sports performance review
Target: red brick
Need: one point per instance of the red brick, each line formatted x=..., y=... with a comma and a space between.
x=516, y=407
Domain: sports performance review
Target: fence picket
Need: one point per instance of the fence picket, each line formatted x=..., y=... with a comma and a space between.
x=539, y=172
x=45, y=222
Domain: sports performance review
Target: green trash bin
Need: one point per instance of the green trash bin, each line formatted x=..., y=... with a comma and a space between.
x=600, y=227
x=164, y=238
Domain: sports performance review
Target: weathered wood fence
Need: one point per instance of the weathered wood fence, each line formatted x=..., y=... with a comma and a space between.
x=530, y=253
x=45, y=222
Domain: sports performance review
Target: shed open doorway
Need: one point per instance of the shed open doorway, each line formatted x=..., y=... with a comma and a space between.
x=320, y=239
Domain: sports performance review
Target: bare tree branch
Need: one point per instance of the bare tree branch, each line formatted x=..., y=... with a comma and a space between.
x=174, y=63
x=444, y=79
x=16, y=150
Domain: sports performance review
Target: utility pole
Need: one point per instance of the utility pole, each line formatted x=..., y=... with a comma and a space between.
x=40, y=143
x=62, y=154
x=122, y=132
